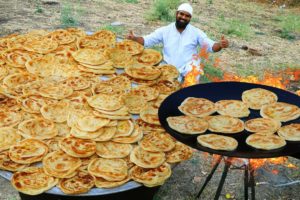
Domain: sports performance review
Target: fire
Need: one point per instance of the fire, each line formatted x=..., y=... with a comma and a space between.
x=191, y=77
x=258, y=163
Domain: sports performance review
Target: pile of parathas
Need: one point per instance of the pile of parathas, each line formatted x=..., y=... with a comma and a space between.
x=198, y=119
x=55, y=110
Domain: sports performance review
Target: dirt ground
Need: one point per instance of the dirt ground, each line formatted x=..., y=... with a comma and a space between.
x=24, y=15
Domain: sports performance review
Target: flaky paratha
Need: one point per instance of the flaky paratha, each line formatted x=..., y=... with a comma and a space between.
x=8, y=137
x=144, y=72
x=233, y=108
x=134, y=102
x=37, y=128
x=130, y=46
x=197, y=107
x=166, y=87
x=77, y=147
x=187, y=124
x=82, y=182
x=124, y=128
x=257, y=97
x=179, y=153
x=7, y=164
x=157, y=142
x=146, y=92
x=262, y=125
x=280, y=111
x=32, y=181
x=61, y=36
x=136, y=135
x=168, y=72
x=42, y=46
x=77, y=83
x=265, y=142
x=57, y=112
x=109, y=169
x=149, y=57
x=91, y=123
x=111, y=149
x=102, y=183
x=147, y=159
x=120, y=58
x=10, y=118
x=106, y=133
x=149, y=114
x=224, y=124
x=218, y=142
x=290, y=132
x=28, y=151
x=60, y=165
x=105, y=102
x=89, y=56
x=151, y=177
x=55, y=91
x=148, y=128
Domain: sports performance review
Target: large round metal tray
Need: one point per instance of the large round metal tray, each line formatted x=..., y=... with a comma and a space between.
x=227, y=90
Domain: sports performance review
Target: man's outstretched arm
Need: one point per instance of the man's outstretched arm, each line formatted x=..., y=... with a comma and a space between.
x=220, y=45
x=131, y=36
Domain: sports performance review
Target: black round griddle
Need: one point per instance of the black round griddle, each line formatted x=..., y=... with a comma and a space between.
x=227, y=90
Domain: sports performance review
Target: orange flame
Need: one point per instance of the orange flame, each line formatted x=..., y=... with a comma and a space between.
x=191, y=77
x=258, y=163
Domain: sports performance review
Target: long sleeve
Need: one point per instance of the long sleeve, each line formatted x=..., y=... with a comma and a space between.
x=154, y=38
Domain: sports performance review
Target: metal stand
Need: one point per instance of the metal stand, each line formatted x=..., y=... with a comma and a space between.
x=248, y=178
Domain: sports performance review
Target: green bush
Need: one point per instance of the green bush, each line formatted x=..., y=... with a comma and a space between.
x=163, y=10
x=68, y=16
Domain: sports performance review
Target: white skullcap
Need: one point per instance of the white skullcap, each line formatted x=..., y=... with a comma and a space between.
x=186, y=7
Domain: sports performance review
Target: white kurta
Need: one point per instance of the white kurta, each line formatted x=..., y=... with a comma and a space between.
x=179, y=48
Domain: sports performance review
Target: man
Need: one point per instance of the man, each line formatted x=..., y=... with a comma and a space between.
x=180, y=40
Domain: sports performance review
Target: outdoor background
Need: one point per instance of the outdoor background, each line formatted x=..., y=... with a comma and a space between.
x=264, y=38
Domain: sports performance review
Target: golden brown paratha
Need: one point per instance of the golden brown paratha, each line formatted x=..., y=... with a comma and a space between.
x=280, y=111
x=60, y=165
x=224, y=124
x=257, y=97
x=8, y=137
x=197, y=107
x=180, y=153
x=233, y=108
x=76, y=147
x=290, y=132
x=130, y=46
x=149, y=57
x=187, y=124
x=157, y=142
x=32, y=181
x=147, y=159
x=218, y=142
x=265, y=141
x=262, y=125
x=109, y=169
x=151, y=177
x=142, y=71
x=82, y=182
x=28, y=151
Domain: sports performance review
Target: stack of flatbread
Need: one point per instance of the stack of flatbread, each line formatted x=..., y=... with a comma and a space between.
x=56, y=113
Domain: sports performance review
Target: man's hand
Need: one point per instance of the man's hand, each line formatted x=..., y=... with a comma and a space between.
x=220, y=45
x=131, y=36
x=223, y=42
